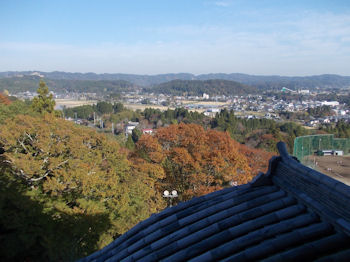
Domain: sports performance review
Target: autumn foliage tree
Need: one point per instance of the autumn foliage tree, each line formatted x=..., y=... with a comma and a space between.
x=4, y=99
x=147, y=161
x=73, y=189
x=195, y=161
x=258, y=158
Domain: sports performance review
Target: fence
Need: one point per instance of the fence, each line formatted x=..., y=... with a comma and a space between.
x=308, y=145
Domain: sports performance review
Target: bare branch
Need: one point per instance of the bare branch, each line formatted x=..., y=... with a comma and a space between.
x=31, y=139
x=20, y=173
x=21, y=143
x=40, y=178
x=62, y=163
x=48, y=171
x=44, y=161
x=27, y=178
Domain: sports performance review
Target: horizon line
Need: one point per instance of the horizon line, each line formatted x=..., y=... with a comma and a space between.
x=178, y=73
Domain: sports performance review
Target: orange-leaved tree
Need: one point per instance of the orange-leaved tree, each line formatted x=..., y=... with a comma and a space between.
x=146, y=163
x=4, y=99
x=258, y=158
x=195, y=161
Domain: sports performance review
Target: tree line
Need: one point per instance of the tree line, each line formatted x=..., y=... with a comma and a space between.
x=198, y=87
x=257, y=133
x=341, y=129
x=87, y=111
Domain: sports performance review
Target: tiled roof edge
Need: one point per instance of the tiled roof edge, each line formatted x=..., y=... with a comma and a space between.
x=264, y=179
x=319, y=192
x=312, y=174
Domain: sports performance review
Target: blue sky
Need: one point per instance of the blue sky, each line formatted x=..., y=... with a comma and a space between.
x=261, y=37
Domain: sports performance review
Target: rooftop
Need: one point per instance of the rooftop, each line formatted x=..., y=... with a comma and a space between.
x=292, y=212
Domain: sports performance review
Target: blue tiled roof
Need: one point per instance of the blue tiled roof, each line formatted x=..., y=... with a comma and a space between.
x=290, y=213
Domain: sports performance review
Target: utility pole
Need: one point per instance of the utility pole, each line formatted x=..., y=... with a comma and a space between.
x=94, y=118
x=112, y=128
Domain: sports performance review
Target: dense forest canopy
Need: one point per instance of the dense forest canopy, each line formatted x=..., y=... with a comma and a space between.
x=258, y=133
x=82, y=183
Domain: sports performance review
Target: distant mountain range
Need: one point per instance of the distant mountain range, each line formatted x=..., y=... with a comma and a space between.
x=91, y=82
x=322, y=81
x=140, y=80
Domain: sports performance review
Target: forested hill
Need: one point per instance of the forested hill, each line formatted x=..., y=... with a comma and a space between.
x=276, y=81
x=30, y=83
x=260, y=81
x=198, y=87
x=140, y=80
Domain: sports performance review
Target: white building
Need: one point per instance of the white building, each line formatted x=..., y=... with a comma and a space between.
x=211, y=112
x=129, y=127
x=330, y=103
x=338, y=152
x=304, y=91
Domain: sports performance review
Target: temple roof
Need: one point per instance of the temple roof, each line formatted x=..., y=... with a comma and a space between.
x=292, y=212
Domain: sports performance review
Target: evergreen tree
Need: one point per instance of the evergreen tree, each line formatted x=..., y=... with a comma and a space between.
x=44, y=102
x=136, y=134
x=118, y=107
x=129, y=143
x=104, y=107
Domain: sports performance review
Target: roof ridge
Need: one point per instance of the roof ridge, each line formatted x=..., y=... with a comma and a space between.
x=320, y=192
x=311, y=173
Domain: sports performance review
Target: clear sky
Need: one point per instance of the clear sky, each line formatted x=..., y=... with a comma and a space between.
x=297, y=37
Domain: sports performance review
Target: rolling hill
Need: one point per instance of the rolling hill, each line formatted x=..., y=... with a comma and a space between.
x=30, y=83
x=259, y=81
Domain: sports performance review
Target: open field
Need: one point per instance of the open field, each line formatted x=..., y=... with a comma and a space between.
x=206, y=103
x=142, y=107
x=337, y=167
x=253, y=113
x=60, y=103
x=161, y=108
x=309, y=127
